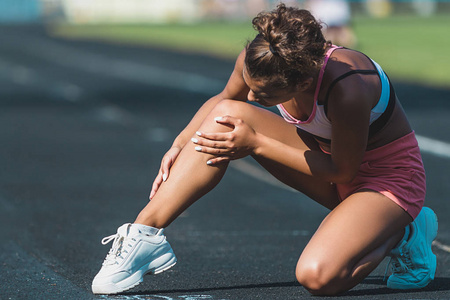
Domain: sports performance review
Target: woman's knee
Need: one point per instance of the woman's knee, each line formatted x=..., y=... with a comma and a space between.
x=320, y=278
x=228, y=107
x=223, y=108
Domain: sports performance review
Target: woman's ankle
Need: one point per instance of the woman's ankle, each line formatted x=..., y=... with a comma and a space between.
x=150, y=220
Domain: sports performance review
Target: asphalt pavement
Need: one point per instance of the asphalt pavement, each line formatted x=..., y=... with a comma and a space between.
x=83, y=126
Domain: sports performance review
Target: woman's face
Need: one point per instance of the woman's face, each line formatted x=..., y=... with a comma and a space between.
x=262, y=93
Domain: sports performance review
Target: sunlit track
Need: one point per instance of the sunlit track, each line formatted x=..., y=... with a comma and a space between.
x=24, y=76
x=104, y=65
x=111, y=67
x=434, y=147
x=83, y=126
x=441, y=246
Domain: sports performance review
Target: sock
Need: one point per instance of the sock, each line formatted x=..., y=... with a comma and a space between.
x=146, y=229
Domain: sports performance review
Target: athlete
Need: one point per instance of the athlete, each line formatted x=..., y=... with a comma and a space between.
x=336, y=15
x=343, y=140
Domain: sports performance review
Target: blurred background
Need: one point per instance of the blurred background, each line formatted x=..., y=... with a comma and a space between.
x=92, y=94
x=406, y=36
x=187, y=11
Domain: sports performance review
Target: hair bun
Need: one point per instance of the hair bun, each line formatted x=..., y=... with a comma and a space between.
x=274, y=52
x=295, y=40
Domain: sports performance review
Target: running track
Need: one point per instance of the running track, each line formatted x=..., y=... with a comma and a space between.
x=83, y=126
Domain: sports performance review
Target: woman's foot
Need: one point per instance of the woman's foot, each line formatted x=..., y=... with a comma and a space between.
x=413, y=262
x=134, y=253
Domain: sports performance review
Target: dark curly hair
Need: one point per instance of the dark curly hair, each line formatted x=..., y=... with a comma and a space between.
x=288, y=49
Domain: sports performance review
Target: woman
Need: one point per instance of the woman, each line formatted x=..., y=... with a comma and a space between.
x=344, y=141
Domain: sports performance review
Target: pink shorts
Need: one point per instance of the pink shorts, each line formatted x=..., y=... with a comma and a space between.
x=394, y=170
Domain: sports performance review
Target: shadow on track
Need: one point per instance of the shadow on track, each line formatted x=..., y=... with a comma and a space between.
x=439, y=284
x=220, y=288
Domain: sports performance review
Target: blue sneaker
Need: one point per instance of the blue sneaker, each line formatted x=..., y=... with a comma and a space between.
x=413, y=262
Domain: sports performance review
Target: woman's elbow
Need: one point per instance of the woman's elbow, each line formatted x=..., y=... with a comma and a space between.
x=344, y=177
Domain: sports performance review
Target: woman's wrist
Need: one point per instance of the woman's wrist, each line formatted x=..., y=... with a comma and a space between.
x=258, y=144
x=178, y=143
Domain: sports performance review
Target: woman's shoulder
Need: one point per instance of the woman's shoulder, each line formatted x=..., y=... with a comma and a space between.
x=348, y=67
x=344, y=60
x=349, y=75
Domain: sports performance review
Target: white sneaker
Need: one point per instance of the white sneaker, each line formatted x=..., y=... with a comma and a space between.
x=132, y=255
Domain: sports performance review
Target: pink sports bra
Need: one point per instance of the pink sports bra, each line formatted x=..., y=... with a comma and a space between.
x=318, y=123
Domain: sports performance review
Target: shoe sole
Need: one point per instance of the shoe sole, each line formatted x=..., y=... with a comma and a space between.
x=167, y=261
x=432, y=222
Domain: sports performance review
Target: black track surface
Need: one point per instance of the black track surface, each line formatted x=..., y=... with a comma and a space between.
x=83, y=126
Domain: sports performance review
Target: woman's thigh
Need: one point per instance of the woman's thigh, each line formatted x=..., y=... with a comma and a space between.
x=274, y=126
x=261, y=120
x=349, y=235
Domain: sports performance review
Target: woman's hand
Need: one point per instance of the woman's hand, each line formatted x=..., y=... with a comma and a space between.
x=227, y=146
x=166, y=163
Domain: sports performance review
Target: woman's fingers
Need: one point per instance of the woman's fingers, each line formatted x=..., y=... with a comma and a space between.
x=214, y=151
x=225, y=146
x=165, y=167
x=229, y=121
x=163, y=174
x=210, y=143
x=218, y=160
x=156, y=183
x=213, y=136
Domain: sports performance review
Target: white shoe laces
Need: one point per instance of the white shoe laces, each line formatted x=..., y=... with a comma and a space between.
x=119, y=250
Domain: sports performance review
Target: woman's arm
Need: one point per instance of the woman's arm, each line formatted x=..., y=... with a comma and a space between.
x=235, y=89
x=349, y=109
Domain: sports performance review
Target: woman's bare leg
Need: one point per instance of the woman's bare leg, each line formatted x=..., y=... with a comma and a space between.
x=190, y=177
x=351, y=242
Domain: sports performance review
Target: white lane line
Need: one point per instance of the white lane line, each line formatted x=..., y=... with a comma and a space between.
x=25, y=76
x=158, y=297
x=167, y=78
x=136, y=72
x=21, y=75
x=434, y=147
x=159, y=134
x=114, y=114
x=441, y=246
x=261, y=174
x=69, y=91
x=103, y=65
